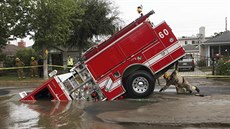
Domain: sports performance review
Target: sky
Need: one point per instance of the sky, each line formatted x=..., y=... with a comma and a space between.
x=185, y=17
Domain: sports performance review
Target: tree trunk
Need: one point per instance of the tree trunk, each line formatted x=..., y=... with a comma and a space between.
x=45, y=66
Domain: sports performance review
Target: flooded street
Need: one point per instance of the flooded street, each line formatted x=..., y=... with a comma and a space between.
x=165, y=110
x=41, y=115
x=62, y=115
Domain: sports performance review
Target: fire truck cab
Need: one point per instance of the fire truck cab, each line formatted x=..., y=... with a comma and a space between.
x=127, y=63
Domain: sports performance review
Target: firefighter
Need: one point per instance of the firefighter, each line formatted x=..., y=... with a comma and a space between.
x=139, y=10
x=34, y=69
x=182, y=86
x=20, y=64
x=70, y=61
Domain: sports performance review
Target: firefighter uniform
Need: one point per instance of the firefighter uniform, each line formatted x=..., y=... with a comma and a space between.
x=182, y=86
x=20, y=71
x=139, y=10
x=70, y=61
x=34, y=69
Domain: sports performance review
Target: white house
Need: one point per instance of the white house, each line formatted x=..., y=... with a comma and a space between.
x=191, y=43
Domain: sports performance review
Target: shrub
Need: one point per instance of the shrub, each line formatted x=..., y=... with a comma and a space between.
x=25, y=55
x=2, y=56
x=201, y=63
x=223, y=68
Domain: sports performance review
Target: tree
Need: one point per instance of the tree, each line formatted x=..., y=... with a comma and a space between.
x=72, y=23
x=100, y=18
x=51, y=24
x=15, y=19
x=47, y=21
x=3, y=34
x=25, y=55
x=216, y=34
x=57, y=22
x=4, y=20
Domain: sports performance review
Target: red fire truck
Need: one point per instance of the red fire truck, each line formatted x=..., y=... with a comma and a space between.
x=127, y=63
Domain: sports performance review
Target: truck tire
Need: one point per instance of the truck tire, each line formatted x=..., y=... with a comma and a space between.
x=140, y=84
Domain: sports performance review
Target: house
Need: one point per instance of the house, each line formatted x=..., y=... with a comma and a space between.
x=10, y=50
x=217, y=45
x=194, y=40
x=191, y=44
x=58, y=55
x=188, y=40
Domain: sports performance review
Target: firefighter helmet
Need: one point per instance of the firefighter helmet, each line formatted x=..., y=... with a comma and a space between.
x=166, y=75
x=32, y=58
x=17, y=59
x=139, y=9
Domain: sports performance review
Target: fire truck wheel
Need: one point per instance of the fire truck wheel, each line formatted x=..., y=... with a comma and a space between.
x=140, y=84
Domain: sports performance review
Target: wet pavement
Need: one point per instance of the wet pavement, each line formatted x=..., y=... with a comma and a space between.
x=166, y=110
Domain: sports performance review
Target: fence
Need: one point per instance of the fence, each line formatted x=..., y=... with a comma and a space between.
x=204, y=67
x=12, y=71
x=209, y=67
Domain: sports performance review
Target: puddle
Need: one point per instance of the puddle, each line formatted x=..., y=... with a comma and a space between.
x=46, y=114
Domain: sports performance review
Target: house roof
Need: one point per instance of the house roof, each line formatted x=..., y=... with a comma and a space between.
x=188, y=38
x=190, y=47
x=223, y=38
x=10, y=49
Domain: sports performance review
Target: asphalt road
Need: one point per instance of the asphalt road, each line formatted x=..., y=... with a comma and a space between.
x=170, y=110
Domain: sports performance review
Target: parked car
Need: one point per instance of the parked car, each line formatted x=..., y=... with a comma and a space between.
x=186, y=63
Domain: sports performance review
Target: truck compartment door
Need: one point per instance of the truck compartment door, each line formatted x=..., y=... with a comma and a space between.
x=105, y=61
x=137, y=40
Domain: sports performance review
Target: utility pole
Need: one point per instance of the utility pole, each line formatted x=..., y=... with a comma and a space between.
x=226, y=23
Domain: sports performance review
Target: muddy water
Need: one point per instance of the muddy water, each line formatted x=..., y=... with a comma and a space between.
x=61, y=115
x=41, y=115
x=83, y=115
x=69, y=115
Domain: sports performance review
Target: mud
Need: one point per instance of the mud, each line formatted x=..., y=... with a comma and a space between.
x=186, y=111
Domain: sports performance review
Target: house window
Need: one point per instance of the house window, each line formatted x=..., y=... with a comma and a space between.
x=214, y=50
x=185, y=42
x=225, y=50
x=193, y=42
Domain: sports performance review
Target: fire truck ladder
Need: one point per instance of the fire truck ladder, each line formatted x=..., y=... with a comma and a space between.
x=82, y=85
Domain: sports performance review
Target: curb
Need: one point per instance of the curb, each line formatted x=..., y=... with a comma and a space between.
x=208, y=76
x=21, y=83
x=30, y=83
